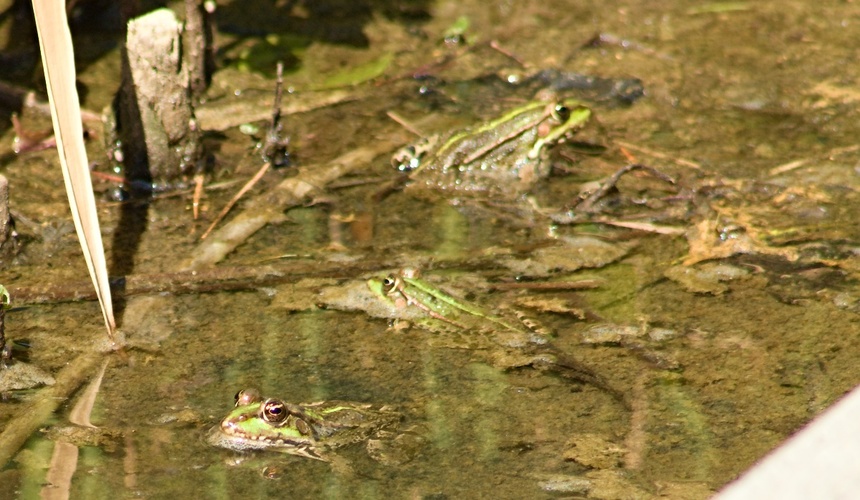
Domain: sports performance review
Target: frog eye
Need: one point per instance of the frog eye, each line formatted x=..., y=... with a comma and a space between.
x=561, y=112
x=274, y=411
x=389, y=283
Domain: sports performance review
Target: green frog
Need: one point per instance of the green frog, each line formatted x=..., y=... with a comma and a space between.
x=513, y=341
x=440, y=311
x=307, y=430
x=502, y=157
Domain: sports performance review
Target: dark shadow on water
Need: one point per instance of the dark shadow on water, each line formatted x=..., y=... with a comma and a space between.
x=333, y=21
x=126, y=242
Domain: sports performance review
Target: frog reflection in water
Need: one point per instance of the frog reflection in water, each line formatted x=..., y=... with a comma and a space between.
x=503, y=157
x=308, y=430
x=512, y=341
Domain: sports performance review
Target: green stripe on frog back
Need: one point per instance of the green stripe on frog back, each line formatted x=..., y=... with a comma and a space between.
x=426, y=289
x=578, y=116
x=516, y=120
x=432, y=291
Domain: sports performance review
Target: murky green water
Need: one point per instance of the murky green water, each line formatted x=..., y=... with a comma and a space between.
x=738, y=89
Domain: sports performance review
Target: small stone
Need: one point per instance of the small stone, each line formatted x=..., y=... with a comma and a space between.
x=661, y=334
x=610, y=333
x=561, y=483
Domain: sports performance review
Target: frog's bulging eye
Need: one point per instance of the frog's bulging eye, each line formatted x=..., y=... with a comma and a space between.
x=389, y=283
x=274, y=411
x=561, y=112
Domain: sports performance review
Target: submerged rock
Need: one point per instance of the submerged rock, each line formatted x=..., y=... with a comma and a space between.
x=18, y=375
x=709, y=278
x=569, y=255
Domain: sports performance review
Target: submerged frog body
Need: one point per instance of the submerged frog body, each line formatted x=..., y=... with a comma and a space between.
x=444, y=313
x=503, y=157
x=307, y=430
x=511, y=342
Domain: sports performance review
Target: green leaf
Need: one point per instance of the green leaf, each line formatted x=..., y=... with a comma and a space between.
x=359, y=74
